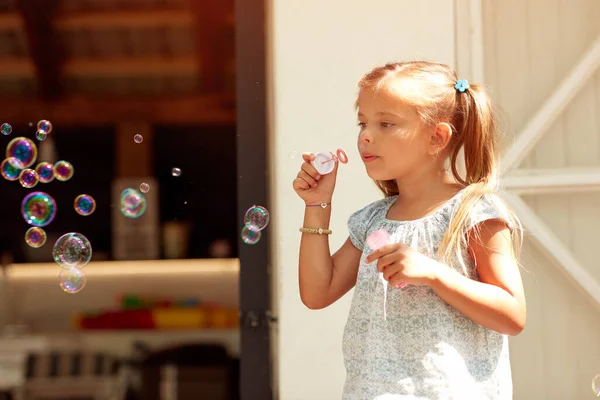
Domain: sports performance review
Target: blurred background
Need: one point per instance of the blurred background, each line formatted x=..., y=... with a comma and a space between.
x=156, y=317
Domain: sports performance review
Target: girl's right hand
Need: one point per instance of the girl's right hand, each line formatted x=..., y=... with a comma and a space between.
x=312, y=187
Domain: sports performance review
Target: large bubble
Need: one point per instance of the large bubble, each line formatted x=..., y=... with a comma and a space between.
x=72, y=250
x=38, y=209
x=11, y=168
x=257, y=218
x=133, y=203
x=23, y=149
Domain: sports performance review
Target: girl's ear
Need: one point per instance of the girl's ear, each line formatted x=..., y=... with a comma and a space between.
x=440, y=138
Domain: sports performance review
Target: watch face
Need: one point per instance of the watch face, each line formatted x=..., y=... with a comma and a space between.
x=323, y=163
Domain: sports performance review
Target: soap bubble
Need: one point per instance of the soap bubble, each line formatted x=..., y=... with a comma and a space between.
x=41, y=135
x=596, y=385
x=6, y=129
x=44, y=126
x=72, y=280
x=28, y=178
x=63, y=170
x=249, y=235
x=23, y=149
x=176, y=172
x=85, y=204
x=72, y=250
x=133, y=203
x=35, y=237
x=138, y=138
x=38, y=209
x=11, y=168
x=144, y=187
x=45, y=171
x=257, y=218
x=293, y=154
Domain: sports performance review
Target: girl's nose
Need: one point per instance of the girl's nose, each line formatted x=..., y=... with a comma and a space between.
x=365, y=137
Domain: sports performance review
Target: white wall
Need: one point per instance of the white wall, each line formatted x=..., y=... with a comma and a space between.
x=319, y=50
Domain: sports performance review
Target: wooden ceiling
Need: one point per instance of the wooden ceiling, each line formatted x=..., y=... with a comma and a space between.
x=100, y=61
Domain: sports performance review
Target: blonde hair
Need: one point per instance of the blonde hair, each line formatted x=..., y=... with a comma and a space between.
x=430, y=88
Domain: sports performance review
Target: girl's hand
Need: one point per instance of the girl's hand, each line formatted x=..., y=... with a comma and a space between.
x=312, y=187
x=399, y=263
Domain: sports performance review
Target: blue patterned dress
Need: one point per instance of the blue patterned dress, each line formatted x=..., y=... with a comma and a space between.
x=409, y=343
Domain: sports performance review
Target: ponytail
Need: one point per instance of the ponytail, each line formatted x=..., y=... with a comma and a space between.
x=474, y=131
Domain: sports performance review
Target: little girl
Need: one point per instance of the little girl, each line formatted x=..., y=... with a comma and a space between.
x=432, y=308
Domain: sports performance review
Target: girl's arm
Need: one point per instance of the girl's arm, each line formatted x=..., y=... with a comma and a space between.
x=324, y=278
x=497, y=301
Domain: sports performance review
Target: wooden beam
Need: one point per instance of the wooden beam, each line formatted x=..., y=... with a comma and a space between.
x=130, y=19
x=10, y=21
x=131, y=67
x=544, y=181
x=554, y=248
x=112, y=67
x=214, y=40
x=554, y=106
x=45, y=48
x=198, y=110
x=16, y=68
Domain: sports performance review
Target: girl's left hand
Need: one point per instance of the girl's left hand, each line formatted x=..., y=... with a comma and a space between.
x=399, y=263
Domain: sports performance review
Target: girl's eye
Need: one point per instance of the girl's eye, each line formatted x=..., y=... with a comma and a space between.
x=362, y=125
x=386, y=125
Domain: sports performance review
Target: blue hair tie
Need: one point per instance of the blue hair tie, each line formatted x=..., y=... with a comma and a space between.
x=462, y=85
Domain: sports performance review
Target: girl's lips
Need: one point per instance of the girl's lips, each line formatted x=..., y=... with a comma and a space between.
x=369, y=157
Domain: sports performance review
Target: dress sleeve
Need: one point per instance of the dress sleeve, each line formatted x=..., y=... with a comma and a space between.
x=487, y=208
x=359, y=222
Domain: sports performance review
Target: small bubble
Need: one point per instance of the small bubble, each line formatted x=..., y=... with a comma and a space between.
x=84, y=204
x=596, y=385
x=45, y=171
x=176, y=172
x=41, y=135
x=249, y=235
x=30, y=124
x=72, y=280
x=257, y=218
x=35, y=237
x=144, y=187
x=28, y=178
x=138, y=138
x=45, y=126
x=11, y=168
x=63, y=170
x=6, y=129
x=133, y=203
x=293, y=154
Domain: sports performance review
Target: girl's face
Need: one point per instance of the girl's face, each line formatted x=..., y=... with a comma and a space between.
x=392, y=140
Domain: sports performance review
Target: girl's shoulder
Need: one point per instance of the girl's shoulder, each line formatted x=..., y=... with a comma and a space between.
x=360, y=221
x=371, y=211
